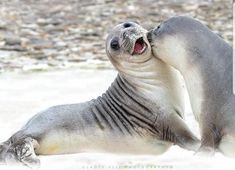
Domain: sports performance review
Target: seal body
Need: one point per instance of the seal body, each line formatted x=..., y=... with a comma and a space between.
x=140, y=113
x=99, y=125
x=205, y=61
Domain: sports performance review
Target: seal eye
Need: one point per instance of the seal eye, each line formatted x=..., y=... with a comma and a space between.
x=115, y=45
x=127, y=24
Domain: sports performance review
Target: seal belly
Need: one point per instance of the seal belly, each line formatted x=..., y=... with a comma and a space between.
x=64, y=142
x=195, y=89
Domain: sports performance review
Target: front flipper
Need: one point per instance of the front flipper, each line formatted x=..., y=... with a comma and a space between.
x=175, y=130
x=211, y=137
x=23, y=152
x=3, y=149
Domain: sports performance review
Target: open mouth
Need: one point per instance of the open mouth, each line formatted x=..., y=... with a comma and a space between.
x=140, y=46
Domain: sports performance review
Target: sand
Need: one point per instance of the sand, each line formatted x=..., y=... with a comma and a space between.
x=24, y=94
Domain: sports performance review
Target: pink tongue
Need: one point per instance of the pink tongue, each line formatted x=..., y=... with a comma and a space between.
x=138, y=47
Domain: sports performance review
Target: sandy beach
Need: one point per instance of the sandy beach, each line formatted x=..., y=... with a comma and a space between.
x=24, y=94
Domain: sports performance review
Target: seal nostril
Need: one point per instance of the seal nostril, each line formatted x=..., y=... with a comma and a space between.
x=127, y=24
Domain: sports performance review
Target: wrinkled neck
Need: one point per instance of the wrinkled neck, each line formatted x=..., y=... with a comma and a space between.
x=120, y=107
x=154, y=80
x=151, y=72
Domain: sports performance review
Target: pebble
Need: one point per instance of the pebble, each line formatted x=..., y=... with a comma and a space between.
x=3, y=25
x=7, y=54
x=39, y=44
x=12, y=40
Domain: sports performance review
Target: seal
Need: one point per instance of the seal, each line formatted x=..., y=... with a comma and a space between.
x=140, y=113
x=205, y=61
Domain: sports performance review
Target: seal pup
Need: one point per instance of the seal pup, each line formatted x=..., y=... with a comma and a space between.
x=140, y=113
x=205, y=61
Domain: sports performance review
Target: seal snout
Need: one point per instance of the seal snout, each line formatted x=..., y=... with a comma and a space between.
x=128, y=41
x=133, y=40
x=149, y=36
x=153, y=32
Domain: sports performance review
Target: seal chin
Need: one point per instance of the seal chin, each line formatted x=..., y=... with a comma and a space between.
x=140, y=46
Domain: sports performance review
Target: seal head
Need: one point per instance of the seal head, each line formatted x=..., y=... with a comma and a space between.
x=128, y=43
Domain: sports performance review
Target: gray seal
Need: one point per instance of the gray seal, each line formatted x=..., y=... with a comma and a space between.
x=205, y=61
x=140, y=113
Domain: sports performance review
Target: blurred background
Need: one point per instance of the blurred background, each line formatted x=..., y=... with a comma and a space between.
x=40, y=35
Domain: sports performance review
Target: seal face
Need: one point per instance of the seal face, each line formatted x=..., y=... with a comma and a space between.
x=128, y=42
x=205, y=61
x=140, y=113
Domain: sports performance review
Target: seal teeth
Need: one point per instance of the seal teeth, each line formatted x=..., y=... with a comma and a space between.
x=130, y=38
x=139, y=46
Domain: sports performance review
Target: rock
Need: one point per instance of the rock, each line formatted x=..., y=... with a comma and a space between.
x=3, y=25
x=29, y=32
x=42, y=22
x=36, y=67
x=14, y=40
x=50, y=52
x=39, y=44
x=7, y=54
x=13, y=48
x=29, y=26
x=60, y=45
x=48, y=21
x=50, y=28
